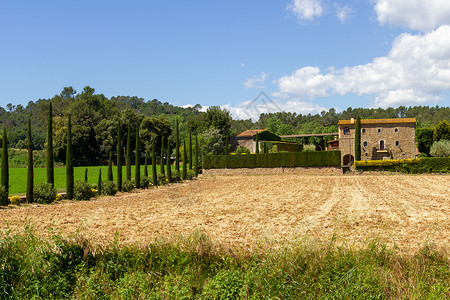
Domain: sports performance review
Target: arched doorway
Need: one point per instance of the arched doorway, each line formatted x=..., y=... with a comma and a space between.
x=348, y=159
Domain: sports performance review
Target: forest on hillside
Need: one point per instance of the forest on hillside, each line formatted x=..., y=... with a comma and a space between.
x=95, y=118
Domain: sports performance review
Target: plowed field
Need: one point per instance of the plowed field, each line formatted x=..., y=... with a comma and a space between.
x=242, y=211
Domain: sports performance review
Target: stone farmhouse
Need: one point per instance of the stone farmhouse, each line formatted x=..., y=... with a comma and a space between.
x=380, y=139
x=247, y=138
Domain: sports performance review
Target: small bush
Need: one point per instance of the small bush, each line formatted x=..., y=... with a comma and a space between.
x=3, y=195
x=44, y=193
x=127, y=185
x=58, y=197
x=82, y=190
x=176, y=176
x=190, y=174
x=161, y=179
x=242, y=150
x=15, y=200
x=309, y=147
x=109, y=188
x=145, y=182
x=440, y=149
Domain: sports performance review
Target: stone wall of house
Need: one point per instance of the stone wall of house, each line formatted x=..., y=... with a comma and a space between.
x=399, y=141
x=247, y=142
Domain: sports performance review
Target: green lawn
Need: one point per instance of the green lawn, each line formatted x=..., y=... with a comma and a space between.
x=18, y=176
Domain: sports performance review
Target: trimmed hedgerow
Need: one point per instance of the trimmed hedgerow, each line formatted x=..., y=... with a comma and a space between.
x=273, y=160
x=416, y=165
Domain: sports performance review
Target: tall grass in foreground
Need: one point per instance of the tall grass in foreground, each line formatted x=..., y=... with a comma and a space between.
x=194, y=268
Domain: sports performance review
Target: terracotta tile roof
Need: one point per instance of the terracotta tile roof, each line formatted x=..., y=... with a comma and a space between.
x=252, y=132
x=379, y=121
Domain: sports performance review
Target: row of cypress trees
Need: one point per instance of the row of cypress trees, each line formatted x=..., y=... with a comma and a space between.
x=4, y=176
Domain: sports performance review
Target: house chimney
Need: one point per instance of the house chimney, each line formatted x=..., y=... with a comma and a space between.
x=352, y=120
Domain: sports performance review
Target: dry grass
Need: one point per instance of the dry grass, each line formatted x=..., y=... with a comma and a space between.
x=245, y=211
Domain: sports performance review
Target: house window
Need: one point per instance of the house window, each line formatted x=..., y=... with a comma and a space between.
x=363, y=130
x=397, y=143
x=379, y=129
x=365, y=144
x=346, y=130
x=381, y=145
x=396, y=129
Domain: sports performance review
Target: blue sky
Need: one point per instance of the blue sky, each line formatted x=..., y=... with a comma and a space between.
x=306, y=55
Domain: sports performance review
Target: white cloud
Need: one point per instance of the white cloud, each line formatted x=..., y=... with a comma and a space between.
x=343, y=12
x=413, y=14
x=306, y=9
x=202, y=109
x=415, y=71
x=252, y=110
x=242, y=65
x=256, y=81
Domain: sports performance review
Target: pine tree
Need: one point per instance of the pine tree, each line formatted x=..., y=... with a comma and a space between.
x=99, y=184
x=162, y=156
x=358, y=139
x=196, y=156
x=137, y=174
x=184, y=160
x=177, y=150
x=119, y=158
x=146, y=164
x=86, y=175
x=168, y=166
x=109, y=175
x=257, y=144
x=128, y=162
x=69, y=162
x=154, y=175
x=50, y=167
x=190, y=152
x=30, y=175
x=5, y=167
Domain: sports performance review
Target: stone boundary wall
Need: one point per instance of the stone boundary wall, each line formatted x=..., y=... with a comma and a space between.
x=274, y=171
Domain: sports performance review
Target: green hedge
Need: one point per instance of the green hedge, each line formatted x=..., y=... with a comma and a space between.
x=419, y=165
x=273, y=160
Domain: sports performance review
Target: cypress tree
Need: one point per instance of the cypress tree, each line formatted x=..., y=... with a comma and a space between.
x=137, y=174
x=50, y=169
x=69, y=162
x=128, y=163
x=154, y=175
x=146, y=165
x=257, y=144
x=119, y=158
x=191, y=165
x=358, y=139
x=30, y=175
x=168, y=166
x=5, y=166
x=196, y=156
x=184, y=160
x=99, y=184
x=86, y=175
x=162, y=156
x=177, y=150
x=109, y=175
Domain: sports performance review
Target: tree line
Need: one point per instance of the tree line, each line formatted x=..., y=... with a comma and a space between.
x=94, y=123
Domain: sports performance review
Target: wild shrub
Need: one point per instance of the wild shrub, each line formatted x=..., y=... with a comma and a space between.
x=82, y=190
x=161, y=179
x=176, y=176
x=440, y=149
x=144, y=182
x=127, y=185
x=58, y=197
x=242, y=150
x=44, y=193
x=190, y=174
x=109, y=188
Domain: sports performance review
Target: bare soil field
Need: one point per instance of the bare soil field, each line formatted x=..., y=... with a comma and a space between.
x=246, y=211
